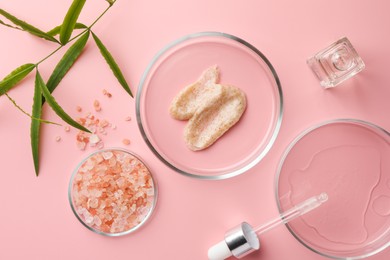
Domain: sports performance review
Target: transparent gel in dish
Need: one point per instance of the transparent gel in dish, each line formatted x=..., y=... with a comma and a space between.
x=112, y=192
x=347, y=159
x=180, y=64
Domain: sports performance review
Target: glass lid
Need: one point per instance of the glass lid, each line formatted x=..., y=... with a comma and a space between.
x=349, y=160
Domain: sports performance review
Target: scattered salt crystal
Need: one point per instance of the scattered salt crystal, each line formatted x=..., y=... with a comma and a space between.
x=106, y=93
x=67, y=128
x=81, y=145
x=128, y=118
x=96, y=103
x=100, y=145
x=113, y=127
x=94, y=139
x=79, y=109
x=126, y=141
x=104, y=123
x=58, y=138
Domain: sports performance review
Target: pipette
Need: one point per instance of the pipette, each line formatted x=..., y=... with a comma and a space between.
x=244, y=239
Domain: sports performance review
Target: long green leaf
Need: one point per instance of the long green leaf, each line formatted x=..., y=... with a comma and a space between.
x=113, y=65
x=56, y=30
x=35, y=124
x=15, y=77
x=28, y=27
x=66, y=62
x=70, y=20
x=8, y=25
x=54, y=105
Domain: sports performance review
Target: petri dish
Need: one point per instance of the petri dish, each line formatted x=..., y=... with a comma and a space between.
x=347, y=159
x=181, y=63
x=112, y=192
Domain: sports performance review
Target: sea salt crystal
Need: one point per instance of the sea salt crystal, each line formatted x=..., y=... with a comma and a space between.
x=107, y=155
x=97, y=221
x=126, y=141
x=93, y=203
x=94, y=139
x=89, y=220
x=81, y=145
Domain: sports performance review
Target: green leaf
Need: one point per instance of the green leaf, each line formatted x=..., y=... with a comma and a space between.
x=54, y=105
x=15, y=77
x=66, y=62
x=113, y=65
x=28, y=27
x=70, y=20
x=35, y=124
x=8, y=25
x=56, y=30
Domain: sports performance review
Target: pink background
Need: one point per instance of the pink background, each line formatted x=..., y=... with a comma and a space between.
x=36, y=221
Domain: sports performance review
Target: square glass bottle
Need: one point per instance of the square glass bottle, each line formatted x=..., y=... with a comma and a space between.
x=336, y=63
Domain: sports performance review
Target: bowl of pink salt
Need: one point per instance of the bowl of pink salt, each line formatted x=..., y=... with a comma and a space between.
x=112, y=192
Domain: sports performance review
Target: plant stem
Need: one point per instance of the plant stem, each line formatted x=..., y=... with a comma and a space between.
x=75, y=37
x=48, y=56
x=97, y=19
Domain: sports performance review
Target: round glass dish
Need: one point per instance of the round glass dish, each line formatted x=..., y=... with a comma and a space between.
x=180, y=64
x=112, y=192
x=349, y=160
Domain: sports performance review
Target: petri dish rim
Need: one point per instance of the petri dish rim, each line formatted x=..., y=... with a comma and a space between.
x=366, y=124
x=146, y=219
x=277, y=123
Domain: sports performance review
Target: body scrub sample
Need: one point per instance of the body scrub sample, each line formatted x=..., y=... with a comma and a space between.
x=210, y=108
x=112, y=192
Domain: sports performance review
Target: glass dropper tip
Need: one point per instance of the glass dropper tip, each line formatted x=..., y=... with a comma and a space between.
x=323, y=197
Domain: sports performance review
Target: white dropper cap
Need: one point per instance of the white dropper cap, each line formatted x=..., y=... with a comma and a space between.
x=219, y=251
x=239, y=242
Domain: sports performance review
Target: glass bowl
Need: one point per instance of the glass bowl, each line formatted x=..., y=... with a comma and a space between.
x=180, y=64
x=112, y=192
x=349, y=160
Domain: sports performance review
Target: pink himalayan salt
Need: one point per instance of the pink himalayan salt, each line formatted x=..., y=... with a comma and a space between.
x=128, y=118
x=96, y=126
x=113, y=195
x=106, y=93
x=126, y=141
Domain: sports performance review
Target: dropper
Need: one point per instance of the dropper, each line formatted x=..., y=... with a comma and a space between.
x=244, y=239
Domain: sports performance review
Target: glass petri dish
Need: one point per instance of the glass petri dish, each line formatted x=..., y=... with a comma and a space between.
x=347, y=159
x=112, y=192
x=180, y=64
